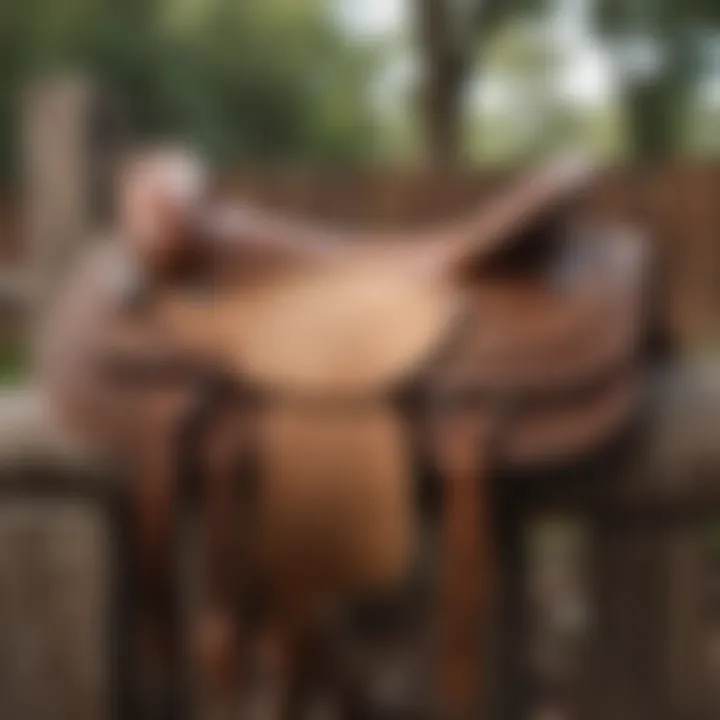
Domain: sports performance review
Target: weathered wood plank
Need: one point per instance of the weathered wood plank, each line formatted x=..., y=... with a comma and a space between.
x=60, y=555
x=672, y=474
x=668, y=468
x=37, y=454
x=54, y=611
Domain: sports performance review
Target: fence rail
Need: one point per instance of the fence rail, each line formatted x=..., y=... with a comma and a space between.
x=609, y=598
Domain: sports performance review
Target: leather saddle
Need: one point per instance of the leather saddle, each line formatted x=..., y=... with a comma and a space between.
x=509, y=338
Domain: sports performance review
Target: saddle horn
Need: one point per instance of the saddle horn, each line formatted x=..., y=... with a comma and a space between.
x=162, y=195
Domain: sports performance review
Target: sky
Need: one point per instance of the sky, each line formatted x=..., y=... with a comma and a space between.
x=373, y=17
x=586, y=81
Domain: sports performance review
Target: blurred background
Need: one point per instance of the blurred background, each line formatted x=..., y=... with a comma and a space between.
x=384, y=81
x=384, y=111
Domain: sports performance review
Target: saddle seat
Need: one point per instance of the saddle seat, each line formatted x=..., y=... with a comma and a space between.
x=346, y=330
x=349, y=331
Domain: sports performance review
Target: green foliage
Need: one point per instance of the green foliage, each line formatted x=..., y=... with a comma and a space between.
x=656, y=16
x=13, y=364
x=657, y=105
x=527, y=60
x=275, y=84
x=247, y=81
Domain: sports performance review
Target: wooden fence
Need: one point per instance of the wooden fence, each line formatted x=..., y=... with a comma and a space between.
x=677, y=205
x=610, y=602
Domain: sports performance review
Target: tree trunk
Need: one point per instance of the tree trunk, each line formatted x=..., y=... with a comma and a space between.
x=657, y=108
x=443, y=80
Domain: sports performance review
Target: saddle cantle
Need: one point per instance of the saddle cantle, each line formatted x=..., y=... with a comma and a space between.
x=321, y=336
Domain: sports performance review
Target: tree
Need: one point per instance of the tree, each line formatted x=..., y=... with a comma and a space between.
x=268, y=80
x=657, y=47
x=450, y=32
x=251, y=81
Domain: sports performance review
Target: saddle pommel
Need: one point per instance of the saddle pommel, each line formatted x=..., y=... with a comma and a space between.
x=161, y=197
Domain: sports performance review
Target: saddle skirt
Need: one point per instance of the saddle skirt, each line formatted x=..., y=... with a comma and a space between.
x=336, y=509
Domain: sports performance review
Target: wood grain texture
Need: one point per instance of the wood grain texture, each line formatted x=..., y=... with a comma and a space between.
x=54, y=653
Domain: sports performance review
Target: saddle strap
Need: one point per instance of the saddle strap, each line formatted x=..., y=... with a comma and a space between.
x=155, y=503
x=227, y=509
x=461, y=441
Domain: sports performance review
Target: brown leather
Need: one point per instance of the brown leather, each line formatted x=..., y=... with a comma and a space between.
x=350, y=320
x=540, y=361
x=229, y=442
x=336, y=498
x=169, y=220
x=155, y=496
x=463, y=449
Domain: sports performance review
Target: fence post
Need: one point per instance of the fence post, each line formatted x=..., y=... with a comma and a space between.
x=70, y=145
x=58, y=549
x=511, y=693
x=648, y=637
